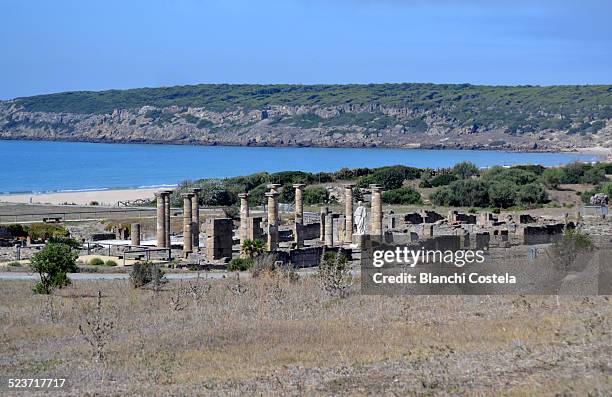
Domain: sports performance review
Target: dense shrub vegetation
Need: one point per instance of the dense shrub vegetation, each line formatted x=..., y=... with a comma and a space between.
x=462, y=185
x=403, y=195
x=517, y=109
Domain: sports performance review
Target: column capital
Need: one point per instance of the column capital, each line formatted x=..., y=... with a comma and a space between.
x=349, y=185
x=375, y=188
x=299, y=185
x=272, y=194
x=196, y=190
x=187, y=195
x=161, y=194
x=243, y=195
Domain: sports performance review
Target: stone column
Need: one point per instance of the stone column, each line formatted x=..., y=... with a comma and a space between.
x=377, y=229
x=195, y=218
x=167, y=215
x=244, y=217
x=161, y=220
x=187, y=223
x=272, y=220
x=348, y=212
x=322, y=216
x=329, y=229
x=135, y=233
x=273, y=186
x=298, y=235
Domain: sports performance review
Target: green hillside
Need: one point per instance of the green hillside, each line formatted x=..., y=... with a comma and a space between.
x=520, y=108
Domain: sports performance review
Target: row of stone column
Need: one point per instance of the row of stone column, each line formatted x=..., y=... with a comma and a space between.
x=326, y=231
x=163, y=219
x=191, y=220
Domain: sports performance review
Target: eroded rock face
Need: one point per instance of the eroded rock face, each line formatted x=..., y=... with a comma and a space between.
x=281, y=126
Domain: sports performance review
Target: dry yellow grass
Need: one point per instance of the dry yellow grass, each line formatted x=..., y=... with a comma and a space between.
x=274, y=336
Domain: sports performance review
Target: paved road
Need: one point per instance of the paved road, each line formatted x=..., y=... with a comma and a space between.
x=8, y=276
x=5, y=276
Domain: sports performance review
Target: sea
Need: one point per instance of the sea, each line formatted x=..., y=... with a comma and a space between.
x=44, y=166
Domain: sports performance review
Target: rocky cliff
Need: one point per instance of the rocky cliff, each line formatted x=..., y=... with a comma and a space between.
x=466, y=121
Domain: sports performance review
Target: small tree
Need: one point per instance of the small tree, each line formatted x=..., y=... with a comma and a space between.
x=465, y=170
x=145, y=274
x=566, y=251
x=333, y=271
x=53, y=264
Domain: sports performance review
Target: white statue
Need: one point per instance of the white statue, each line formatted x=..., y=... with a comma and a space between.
x=360, y=218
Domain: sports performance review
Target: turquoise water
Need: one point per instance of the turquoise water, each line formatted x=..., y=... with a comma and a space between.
x=39, y=166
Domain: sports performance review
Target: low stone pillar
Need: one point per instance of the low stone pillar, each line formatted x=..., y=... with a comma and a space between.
x=161, y=220
x=167, y=215
x=322, y=216
x=299, y=215
x=244, y=217
x=329, y=229
x=340, y=232
x=195, y=219
x=187, y=223
x=377, y=229
x=348, y=212
x=135, y=233
x=272, y=220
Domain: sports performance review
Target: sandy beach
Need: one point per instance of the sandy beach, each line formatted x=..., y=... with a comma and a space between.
x=102, y=197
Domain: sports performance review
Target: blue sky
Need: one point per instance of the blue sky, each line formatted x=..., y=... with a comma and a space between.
x=53, y=46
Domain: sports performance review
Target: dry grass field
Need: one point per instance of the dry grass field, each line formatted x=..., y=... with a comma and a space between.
x=274, y=336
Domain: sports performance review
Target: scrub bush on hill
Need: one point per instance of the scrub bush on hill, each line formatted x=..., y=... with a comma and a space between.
x=553, y=177
x=463, y=193
x=515, y=176
x=442, y=180
x=465, y=170
x=404, y=195
x=389, y=179
x=316, y=195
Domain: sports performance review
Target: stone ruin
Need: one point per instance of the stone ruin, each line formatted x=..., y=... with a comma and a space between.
x=303, y=240
x=599, y=199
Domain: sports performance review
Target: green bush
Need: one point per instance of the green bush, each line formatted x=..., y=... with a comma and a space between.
x=44, y=231
x=462, y=193
x=442, y=180
x=14, y=264
x=465, y=170
x=240, y=264
x=253, y=248
x=95, y=262
x=502, y=194
x=316, y=195
x=404, y=195
x=516, y=176
x=17, y=230
x=593, y=176
x=146, y=273
x=111, y=263
x=389, y=179
x=553, y=177
x=531, y=194
x=53, y=263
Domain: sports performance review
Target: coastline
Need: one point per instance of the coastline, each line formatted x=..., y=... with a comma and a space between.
x=104, y=197
x=598, y=151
